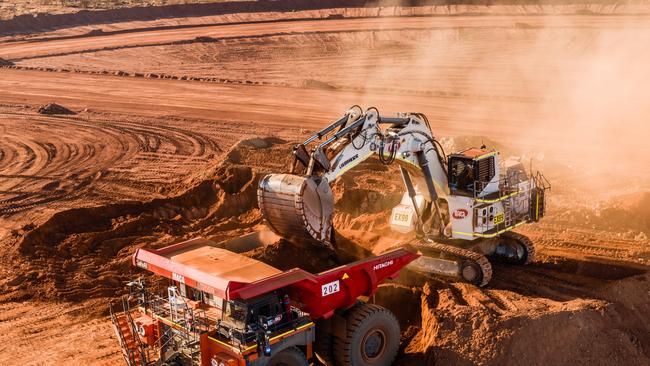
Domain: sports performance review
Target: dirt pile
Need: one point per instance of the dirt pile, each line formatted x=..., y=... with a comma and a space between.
x=633, y=215
x=284, y=255
x=53, y=108
x=466, y=332
x=315, y=84
x=85, y=252
x=458, y=324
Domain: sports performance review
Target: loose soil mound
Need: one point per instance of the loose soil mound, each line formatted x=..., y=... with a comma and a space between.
x=53, y=108
x=462, y=330
x=316, y=84
x=85, y=252
x=633, y=214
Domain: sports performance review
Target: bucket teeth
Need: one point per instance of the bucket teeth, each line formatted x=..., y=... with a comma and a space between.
x=297, y=208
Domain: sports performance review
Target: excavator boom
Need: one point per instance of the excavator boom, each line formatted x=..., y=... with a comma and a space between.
x=298, y=206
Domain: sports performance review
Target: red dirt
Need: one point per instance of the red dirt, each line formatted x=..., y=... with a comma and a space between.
x=151, y=162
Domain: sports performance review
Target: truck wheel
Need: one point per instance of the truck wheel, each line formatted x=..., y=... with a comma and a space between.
x=289, y=357
x=323, y=347
x=372, y=337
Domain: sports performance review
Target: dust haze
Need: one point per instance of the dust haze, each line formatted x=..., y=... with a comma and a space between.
x=574, y=97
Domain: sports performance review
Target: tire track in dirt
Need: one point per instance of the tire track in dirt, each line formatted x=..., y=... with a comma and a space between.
x=43, y=326
x=51, y=158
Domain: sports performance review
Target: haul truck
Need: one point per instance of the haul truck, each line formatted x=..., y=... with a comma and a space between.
x=222, y=308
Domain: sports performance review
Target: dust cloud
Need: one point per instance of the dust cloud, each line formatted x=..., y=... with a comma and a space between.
x=568, y=95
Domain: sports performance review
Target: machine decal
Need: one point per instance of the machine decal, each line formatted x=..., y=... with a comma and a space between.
x=353, y=158
x=499, y=218
x=330, y=288
x=345, y=276
x=460, y=214
x=178, y=277
x=383, y=265
x=402, y=217
x=142, y=264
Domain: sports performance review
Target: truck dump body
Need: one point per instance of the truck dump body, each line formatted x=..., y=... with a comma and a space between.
x=203, y=265
x=204, y=256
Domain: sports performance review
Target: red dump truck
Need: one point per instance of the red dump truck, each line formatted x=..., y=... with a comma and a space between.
x=222, y=308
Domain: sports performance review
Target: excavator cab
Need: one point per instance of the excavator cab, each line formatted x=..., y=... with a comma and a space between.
x=470, y=171
x=461, y=175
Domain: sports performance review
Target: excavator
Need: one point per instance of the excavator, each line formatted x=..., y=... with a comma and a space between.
x=462, y=207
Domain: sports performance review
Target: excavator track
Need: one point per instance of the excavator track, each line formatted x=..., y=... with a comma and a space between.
x=463, y=256
x=525, y=242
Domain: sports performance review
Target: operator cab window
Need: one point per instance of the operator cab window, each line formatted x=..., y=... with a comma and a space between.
x=461, y=175
x=470, y=170
x=236, y=312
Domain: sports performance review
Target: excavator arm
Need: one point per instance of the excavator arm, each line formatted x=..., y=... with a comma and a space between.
x=298, y=206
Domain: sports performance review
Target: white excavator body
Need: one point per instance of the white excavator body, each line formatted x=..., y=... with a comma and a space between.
x=461, y=207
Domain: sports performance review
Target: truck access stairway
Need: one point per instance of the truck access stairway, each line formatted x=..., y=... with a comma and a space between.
x=129, y=342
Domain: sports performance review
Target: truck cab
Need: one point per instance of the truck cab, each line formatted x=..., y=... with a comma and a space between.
x=251, y=332
x=258, y=322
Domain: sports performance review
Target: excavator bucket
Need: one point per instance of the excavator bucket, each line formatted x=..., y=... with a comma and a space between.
x=297, y=208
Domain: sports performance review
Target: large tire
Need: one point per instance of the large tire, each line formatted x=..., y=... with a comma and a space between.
x=324, y=347
x=291, y=356
x=372, y=337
